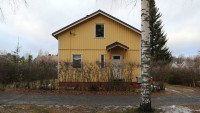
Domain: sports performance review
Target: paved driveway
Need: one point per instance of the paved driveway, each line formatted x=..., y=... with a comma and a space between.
x=186, y=96
x=95, y=100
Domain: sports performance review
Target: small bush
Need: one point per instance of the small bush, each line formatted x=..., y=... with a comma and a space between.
x=171, y=79
x=93, y=88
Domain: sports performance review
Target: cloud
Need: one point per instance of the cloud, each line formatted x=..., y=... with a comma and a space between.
x=35, y=23
x=180, y=19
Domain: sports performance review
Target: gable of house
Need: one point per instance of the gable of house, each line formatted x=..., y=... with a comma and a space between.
x=55, y=34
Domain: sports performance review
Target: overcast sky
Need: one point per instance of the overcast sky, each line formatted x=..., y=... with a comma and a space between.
x=34, y=24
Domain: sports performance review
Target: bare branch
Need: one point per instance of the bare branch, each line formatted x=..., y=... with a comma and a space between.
x=1, y=15
x=26, y=3
x=13, y=4
x=124, y=3
x=134, y=5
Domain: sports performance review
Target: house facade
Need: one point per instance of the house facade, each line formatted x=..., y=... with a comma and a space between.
x=184, y=65
x=100, y=37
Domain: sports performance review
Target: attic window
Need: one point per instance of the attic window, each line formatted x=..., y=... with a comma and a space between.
x=99, y=31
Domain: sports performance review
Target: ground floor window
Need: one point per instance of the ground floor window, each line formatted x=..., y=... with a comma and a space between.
x=102, y=61
x=76, y=60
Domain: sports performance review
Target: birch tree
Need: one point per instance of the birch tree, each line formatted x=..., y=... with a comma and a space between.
x=145, y=104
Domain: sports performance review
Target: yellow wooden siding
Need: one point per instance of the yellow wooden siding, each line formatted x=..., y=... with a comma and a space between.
x=83, y=35
x=82, y=40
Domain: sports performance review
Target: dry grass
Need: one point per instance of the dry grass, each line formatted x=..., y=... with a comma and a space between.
x=76, y=92
x=69, y=109
x=34, y=109
x=68, y=92
x=164, y=93
x=194, y=108
x=134, y=92
x=184, y=89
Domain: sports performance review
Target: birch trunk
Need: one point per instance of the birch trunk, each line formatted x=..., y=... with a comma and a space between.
x=145, y=103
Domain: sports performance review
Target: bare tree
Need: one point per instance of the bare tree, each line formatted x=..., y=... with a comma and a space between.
x=13, y=4
x=16, y=52
x=17, y=49
x=40, y=52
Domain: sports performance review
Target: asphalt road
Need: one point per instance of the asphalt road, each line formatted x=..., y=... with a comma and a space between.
x=95, y=100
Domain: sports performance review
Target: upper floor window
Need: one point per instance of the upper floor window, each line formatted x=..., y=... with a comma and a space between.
x=99, y=30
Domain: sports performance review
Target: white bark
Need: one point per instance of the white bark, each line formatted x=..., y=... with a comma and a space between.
x=145, y=103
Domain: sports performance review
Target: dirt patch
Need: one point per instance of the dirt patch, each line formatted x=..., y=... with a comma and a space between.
x=171, y=90
x=92, y=109
x=164, y=93
x=67, y=92
x=184, y=88
x=194, y=108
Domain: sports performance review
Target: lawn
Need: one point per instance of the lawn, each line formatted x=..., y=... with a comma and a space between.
x=93, y=109
x=68, y=109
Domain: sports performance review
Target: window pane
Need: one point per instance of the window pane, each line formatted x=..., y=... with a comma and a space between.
x=99, y=30
x=76, y=61
x=116, y=57
x=102, y=61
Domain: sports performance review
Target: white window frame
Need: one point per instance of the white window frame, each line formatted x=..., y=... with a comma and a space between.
x=95, y=30
x=117, y=55
x=72, y=61
x=104, y=60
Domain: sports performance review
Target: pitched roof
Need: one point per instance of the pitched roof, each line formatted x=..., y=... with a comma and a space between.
x=115, y=45
x=46, y=58
x=56, y=33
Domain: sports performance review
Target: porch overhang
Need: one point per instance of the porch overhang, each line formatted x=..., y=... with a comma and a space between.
x=116, y=44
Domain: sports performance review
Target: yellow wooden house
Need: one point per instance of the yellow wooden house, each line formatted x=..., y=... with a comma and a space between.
x=99, y=37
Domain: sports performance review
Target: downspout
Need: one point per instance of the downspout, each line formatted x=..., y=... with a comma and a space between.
x=140, y=55
x=58, y=60
x=70, y=48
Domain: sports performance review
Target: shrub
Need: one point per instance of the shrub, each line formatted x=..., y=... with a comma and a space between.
x=163, y=72
x=22, y=73
x=171, y=79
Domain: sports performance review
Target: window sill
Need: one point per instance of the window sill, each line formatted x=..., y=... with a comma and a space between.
x=102, y=69
x=99, y=37
x=77, y=69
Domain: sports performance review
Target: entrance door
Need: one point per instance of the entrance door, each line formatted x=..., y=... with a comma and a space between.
x=117, y=66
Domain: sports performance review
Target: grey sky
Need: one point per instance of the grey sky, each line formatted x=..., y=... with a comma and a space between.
x=35, y=23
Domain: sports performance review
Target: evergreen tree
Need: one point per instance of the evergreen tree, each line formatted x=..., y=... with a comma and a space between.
x=159, y=51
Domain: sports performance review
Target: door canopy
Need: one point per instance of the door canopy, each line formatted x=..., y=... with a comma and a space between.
x=116, y=44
